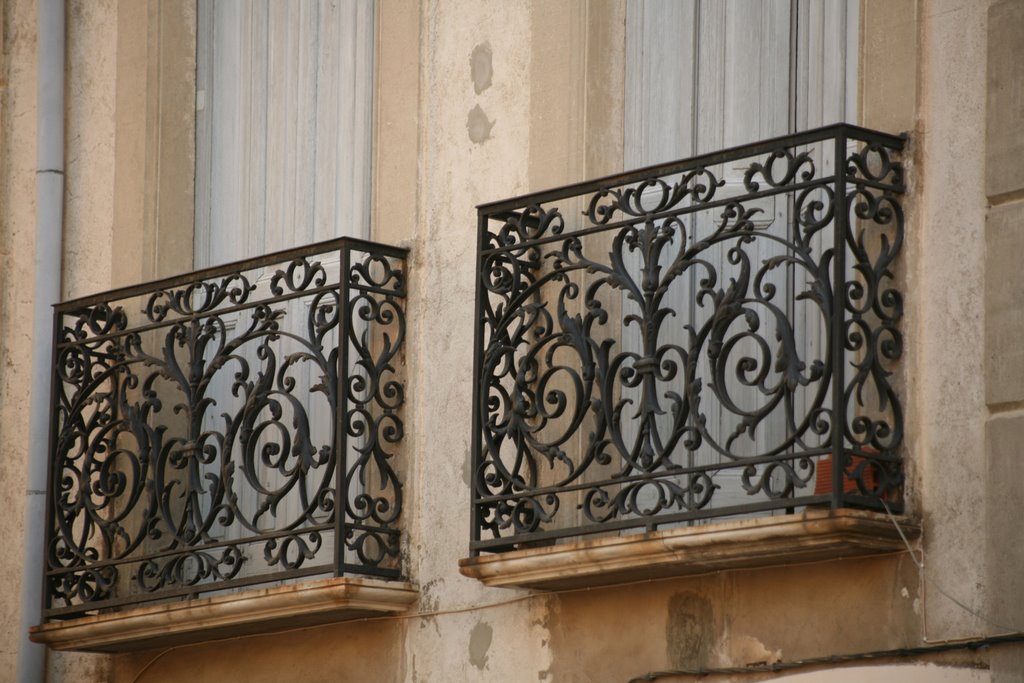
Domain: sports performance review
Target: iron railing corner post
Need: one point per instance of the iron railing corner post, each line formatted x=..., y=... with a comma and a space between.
x=839, y=407
x=51, y=450
x=341, y=411
x=402, y=298
x=478, y=340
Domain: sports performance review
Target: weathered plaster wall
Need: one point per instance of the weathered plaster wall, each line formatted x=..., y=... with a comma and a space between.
x=154, y=153
x=732, y=619
x=17, y=253
x=355, y=653
x=1004, y=326
x=913, y=673
x=89, y=199
x=924, y=71
x=91, y=82
x=86, y=208
x=946, y=266
x=523, y=127
x=471, y=146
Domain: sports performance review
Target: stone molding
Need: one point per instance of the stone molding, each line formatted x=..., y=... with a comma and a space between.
x=299, y=605
x=810, y=536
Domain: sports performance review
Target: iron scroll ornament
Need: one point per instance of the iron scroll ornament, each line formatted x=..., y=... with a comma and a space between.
x=594, y=392
x=191, y=451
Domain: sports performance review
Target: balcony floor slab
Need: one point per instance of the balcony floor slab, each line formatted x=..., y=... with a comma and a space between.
x=812, y=535
x=298, y=605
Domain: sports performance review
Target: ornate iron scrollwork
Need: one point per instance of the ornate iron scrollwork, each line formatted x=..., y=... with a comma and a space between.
x=694, y=344
x=229, y=429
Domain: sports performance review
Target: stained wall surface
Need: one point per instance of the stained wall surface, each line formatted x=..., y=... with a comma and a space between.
x=1004, y=323
x=17, y=220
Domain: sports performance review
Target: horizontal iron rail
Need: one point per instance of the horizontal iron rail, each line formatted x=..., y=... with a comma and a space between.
x=680, y=471
x=185, y=592
x=176, y=319
x=655, y=216
x=234, y=584
x=170, y=321
x=739, y=152
x=654, y=523
x=227, y=543
x=192, y=592
x=234, y=267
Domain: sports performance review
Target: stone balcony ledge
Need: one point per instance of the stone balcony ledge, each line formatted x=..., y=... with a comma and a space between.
x=298, y=605
x=813, y=535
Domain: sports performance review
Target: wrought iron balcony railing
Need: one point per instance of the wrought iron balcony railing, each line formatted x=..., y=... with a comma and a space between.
x=691, y=341
x=229, y=427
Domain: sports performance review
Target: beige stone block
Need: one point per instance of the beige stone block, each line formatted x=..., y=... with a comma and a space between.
x=396, y=124
x=1007, y=664
x=154, y=149
x=737, y=618
x=17, y=255
x=576, y=83
x=888, y=65
x=348, y=652
x=605, y=74
x=1004, y=304
x=1004, y=453
x=1004, y=125
x=170, y=194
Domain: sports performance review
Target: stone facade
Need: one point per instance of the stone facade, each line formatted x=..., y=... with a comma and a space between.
x=476, y=101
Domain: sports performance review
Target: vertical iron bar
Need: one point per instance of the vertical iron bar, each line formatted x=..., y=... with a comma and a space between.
x=790, y=199
x=402, y=298
x=838, y=318
x=475, y=456
x=341, y=415
x=51, y=452
x=791, y=314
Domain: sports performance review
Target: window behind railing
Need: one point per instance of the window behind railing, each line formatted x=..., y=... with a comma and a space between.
x=284, y=121
x=231, y=427
x=698, y=340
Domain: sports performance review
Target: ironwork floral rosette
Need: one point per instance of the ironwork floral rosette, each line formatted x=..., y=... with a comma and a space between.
x=670, y=354
x=209, y=434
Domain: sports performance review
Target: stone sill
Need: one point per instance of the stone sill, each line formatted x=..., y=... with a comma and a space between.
x=813, y=535
x=299, y=605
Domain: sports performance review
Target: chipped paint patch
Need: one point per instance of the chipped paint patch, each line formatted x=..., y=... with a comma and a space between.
x=478, y=125
x=480, y=67
x=479, y=643
x=688, y=630
x=749, y=651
